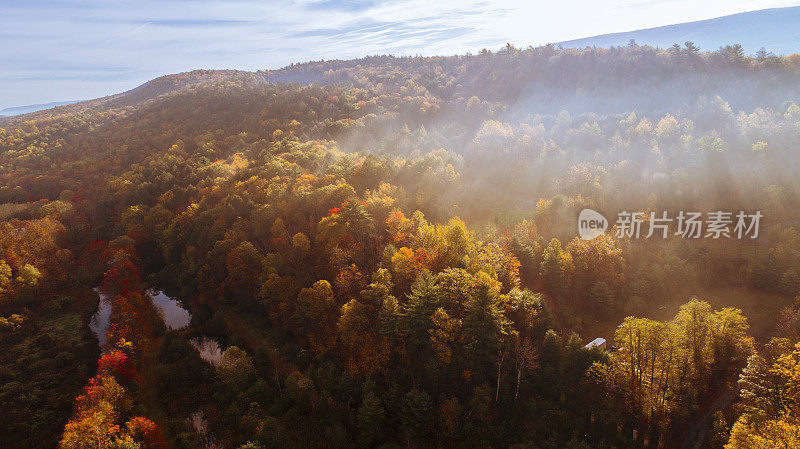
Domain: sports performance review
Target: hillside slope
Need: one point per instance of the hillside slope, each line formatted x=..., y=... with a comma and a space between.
x=542, y=80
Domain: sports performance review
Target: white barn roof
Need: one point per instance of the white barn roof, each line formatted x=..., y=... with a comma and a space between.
x=599, y=342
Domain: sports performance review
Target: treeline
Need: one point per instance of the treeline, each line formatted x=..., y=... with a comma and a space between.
x=549, y=79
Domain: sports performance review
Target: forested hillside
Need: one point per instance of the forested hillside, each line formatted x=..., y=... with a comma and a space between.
x=383, y=253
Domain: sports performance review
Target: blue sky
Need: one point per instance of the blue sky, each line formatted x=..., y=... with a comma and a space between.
x=82, y=49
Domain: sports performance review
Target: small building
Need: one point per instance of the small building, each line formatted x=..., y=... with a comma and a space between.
x=600, y=343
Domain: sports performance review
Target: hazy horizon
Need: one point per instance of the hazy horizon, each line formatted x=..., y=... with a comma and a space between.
x=70, y=50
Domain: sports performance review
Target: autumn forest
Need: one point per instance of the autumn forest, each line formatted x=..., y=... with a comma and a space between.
x=384, y=253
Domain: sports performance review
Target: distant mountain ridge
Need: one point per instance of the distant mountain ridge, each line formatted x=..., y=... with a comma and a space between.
x=148, y=91
x=777, y=30
x=19, y=110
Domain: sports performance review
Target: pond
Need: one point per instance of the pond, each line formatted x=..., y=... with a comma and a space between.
x=174, y=316
x=209, y=349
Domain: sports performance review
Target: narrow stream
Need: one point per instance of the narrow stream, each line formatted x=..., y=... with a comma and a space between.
x=100, y=320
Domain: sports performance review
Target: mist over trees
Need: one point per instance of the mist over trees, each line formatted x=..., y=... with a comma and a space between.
x=383, y=253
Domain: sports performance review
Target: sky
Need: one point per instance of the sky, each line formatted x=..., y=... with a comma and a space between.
x=82, y=49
